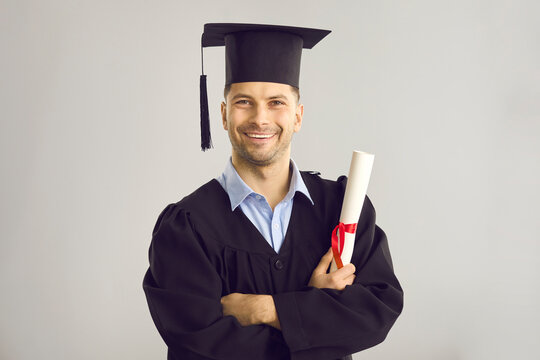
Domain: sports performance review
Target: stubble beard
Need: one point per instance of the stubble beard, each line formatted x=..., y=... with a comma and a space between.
x=260, y=158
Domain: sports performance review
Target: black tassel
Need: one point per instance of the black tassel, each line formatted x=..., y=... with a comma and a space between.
x=206, y=139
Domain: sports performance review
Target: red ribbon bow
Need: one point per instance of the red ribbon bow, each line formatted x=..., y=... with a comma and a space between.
x=339, y=241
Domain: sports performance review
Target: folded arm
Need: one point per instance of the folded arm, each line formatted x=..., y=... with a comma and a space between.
x=253, y=309
x=342, y=312
x=183, y=291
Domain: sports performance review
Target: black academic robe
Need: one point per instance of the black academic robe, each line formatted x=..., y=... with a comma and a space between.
x=201, y=251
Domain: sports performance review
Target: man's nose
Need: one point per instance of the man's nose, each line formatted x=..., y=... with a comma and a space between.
x=260, y=115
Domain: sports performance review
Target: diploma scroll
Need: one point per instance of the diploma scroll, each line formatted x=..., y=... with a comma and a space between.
x=355, y=192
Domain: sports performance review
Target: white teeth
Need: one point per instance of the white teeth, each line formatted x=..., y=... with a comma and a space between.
x=260, y=136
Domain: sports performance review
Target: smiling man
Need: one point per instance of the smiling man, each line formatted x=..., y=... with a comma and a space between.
x=239, y=268
x=261, y=120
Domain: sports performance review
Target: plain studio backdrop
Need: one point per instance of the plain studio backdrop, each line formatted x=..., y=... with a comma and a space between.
x=99, y=109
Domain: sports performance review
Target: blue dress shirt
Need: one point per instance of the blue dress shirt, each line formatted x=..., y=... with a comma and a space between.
x=271, y=225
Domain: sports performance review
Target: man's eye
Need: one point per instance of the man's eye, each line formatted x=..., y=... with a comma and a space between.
x=242, y=102
x=277, y=102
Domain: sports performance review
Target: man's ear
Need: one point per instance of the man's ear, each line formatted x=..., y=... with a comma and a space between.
x=298, y=117
x=224, y=115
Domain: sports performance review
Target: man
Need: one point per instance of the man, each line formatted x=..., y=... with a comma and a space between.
x=238, y=269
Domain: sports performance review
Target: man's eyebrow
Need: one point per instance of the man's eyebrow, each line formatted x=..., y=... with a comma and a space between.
x=273, y=97
x=278, y=96
x=241, y=96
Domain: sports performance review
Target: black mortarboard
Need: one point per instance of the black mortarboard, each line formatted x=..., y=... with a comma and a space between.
x=268, y=53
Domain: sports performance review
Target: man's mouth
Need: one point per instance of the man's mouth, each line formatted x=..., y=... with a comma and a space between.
x=259, y=136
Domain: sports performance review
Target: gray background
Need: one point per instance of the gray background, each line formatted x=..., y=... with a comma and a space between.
x=99, y=111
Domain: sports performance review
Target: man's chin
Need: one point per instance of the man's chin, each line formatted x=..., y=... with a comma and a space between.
x=260, y=159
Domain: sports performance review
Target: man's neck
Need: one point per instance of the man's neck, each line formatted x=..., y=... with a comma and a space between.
x=271, y=181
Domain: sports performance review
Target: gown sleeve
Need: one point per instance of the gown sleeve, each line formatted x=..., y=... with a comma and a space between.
x=326, y=323
x=183, y=291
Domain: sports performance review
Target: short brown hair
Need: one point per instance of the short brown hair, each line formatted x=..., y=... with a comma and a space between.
x=295, y=91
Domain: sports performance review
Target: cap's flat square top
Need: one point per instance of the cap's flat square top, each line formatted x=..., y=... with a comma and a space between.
x=214, y=33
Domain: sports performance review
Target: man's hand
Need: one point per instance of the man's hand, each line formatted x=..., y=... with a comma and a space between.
x=251, y=309
x=335, y=280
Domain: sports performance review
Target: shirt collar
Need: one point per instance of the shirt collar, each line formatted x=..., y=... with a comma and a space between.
x=238, y=190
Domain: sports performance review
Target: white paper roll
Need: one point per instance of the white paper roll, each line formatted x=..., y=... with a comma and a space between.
x=355, y=192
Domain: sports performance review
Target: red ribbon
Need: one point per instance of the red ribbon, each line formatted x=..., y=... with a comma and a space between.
x=339, y=241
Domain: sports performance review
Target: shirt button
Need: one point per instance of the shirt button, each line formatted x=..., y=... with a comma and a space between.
x=279, y=264
x=258, y=197
x=276, y=226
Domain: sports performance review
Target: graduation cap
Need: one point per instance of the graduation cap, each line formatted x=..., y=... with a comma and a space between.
x=255, y=52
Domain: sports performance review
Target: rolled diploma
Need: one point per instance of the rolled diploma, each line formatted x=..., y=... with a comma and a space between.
x=353, y=200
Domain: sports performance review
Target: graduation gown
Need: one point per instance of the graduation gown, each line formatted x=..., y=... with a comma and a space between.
x=201, y=251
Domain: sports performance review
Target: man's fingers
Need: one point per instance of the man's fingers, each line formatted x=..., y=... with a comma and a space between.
x=340, y=284
x=345, y=271
x=324, y=263
x=335, y=280
x=350, y=279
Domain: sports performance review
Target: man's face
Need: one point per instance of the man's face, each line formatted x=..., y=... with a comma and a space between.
x=261, y=118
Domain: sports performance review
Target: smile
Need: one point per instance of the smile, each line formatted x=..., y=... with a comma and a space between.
x=259, y=136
